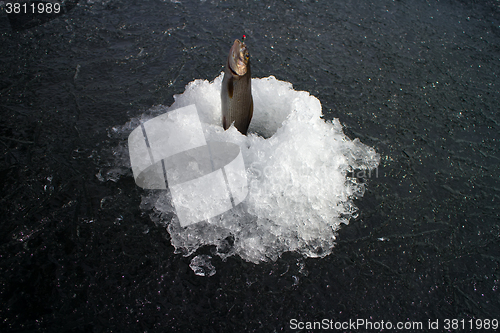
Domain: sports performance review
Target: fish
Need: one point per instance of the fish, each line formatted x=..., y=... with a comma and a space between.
x=236, y=90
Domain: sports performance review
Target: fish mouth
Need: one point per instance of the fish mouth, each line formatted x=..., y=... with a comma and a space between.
x=239, y=58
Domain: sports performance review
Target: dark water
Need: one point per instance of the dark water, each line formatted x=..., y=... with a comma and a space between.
x=417, y=80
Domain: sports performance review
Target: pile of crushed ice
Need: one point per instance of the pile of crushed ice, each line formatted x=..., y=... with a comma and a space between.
x=298, y=168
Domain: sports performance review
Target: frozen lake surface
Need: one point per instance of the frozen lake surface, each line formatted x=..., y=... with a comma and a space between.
x=84, y=249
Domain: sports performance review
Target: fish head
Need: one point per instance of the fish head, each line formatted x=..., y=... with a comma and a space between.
x=239, y=58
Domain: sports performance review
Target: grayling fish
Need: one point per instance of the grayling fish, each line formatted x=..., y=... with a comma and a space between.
x=236, y=90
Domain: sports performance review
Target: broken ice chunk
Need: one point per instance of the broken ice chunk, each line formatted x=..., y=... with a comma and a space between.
x=202, y=266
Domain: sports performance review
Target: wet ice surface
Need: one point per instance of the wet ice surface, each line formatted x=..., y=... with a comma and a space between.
x=300, y=171
x=416, y=80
